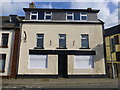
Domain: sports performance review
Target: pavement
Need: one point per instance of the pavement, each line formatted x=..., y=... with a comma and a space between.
x=61, y=83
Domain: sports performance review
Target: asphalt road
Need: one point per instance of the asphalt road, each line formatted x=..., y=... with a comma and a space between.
x=62, y=84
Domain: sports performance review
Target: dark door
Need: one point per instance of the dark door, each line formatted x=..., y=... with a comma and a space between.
x=62, y=65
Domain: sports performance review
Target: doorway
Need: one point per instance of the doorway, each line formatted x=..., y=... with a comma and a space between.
x=62, y=66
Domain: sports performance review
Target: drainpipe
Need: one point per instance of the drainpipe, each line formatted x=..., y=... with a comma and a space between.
x=112, y=50
x=113, y=69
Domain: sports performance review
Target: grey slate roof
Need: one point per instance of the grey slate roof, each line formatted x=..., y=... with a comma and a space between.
x=112, y=30
x=5, y=22
x=48, y=9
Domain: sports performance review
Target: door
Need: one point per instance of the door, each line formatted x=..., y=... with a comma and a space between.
x=62, y=65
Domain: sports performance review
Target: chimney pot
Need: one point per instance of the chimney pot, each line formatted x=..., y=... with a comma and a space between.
x=32, y=5
x=89, y=8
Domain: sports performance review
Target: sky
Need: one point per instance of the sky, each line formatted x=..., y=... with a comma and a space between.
x=108, y=8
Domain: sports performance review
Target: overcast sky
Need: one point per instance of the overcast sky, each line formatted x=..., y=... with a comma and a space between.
x=108, y=8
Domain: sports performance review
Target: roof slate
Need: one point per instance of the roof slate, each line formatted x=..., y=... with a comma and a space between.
x=48, y=9
x=112, y=31
x=5, y=22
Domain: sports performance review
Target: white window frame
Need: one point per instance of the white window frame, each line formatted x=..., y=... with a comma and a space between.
x=63, y=38
x=83, y=15
x=1, y=41
x=72, y=14
x=81, y=38
x=38, y=67
x=45, y=14
x=40, y=38
x=91, y=65
x=31, y=13
x=4, y=62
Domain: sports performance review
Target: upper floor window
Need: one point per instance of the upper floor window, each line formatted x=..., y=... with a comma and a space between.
x=2, y=62
x=83, y=16
x=48, y=15
x=62, y=40
x=117, y=39
x=4, y=40
x=112, y=44
x=40, y=40
x=34, y=15
x=76, y=16
x=84, y=41
x=69, y=16
x=118, y=56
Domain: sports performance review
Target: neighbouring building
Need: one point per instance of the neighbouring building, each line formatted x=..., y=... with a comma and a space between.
x=61, y=42
x=112, y=45
x=9, y=45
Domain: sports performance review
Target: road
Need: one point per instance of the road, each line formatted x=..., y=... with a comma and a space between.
x=41, y=84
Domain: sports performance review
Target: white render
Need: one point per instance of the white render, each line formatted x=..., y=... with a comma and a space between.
x=7, y=51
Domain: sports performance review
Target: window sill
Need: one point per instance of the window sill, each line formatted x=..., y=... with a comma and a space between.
x=38, y=47
x=84, y=48
x=2, y=71
x=61, y=48
x=3, y=46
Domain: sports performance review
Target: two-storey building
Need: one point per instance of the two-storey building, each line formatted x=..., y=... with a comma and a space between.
x=9, y=45
x=112, y=45
x=61, y=42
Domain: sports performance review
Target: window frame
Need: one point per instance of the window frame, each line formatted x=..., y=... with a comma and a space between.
x=85, y=39
x=45, y=15
x=72, y=14
x=46, y=62
x=39, y=38
x=63, y=39
x=112, y=45
x=3, y=57
x=2, y=41
x=118, y=56
x=116, y=38
x=92, y=62
x=31, y=13
x=83, y=15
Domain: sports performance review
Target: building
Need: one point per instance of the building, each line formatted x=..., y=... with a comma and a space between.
x=9, y=45
x=112, y=44
x=61, y=43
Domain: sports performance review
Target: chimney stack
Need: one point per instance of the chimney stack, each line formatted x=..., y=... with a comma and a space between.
x=12, y=18
x=32, y=5
x=89, y=9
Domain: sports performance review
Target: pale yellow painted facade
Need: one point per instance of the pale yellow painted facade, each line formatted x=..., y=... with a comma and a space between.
x=73, y=33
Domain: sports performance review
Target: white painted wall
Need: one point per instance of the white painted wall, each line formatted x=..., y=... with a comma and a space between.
x=7, y=51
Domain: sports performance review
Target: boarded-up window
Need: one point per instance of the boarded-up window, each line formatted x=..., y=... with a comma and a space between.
x=38, y=61
x=81, y=61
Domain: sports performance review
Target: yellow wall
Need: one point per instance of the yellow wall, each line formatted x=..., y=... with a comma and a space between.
x=108, y=51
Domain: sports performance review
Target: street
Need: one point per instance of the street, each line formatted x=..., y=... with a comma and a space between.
x=41, y=84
